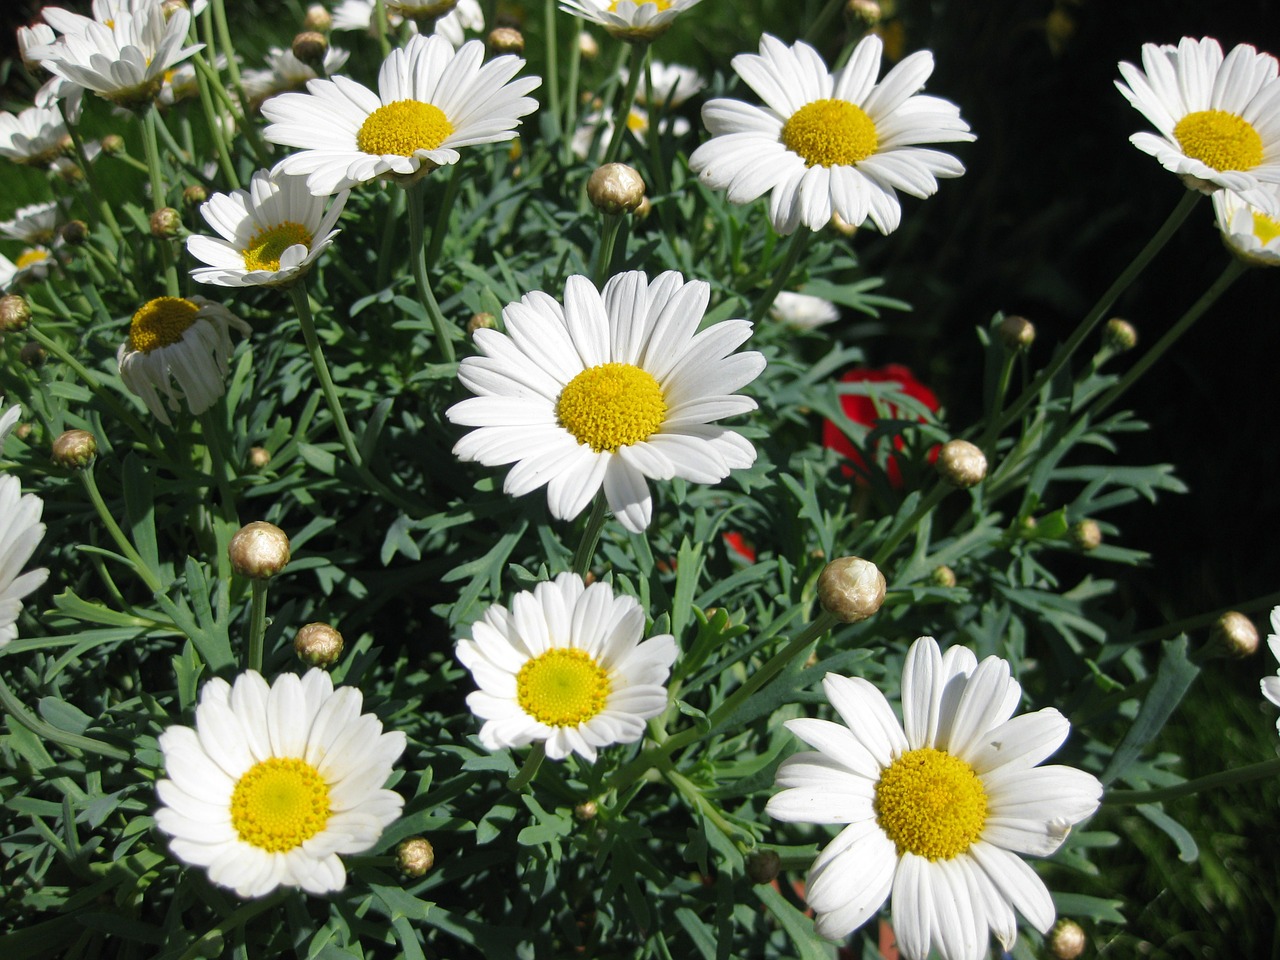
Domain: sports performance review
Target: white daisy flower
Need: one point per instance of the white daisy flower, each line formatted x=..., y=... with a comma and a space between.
x=358, y=15
x=826, y=144
x=1271, y=685
x=938, y=807
x=431, y=100
x=286, y=72
x=8, y=420
x=274, y=783
x=637, y=126
x=628, y=20
x=30, y=37
x=271, y=233
x=1248, y=230
x=673, y=84
x=34, y=263
x=566, y=665
x=802, y=310
x=180, y=82
x=183, y=340
x=607, y=391
x=33, y=137
x=20, y=533
x=1218, y=118
x=34, y=223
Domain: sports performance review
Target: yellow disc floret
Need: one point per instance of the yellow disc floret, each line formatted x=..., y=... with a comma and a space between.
x=562, y=687
x=1265, y=228
x=830, y=133
x=160, y=323
x=280, y=803
x=402, y=128
x=1219, y=139
x=29, y=258
x=931, y=803
x=263, y=251
x=660, y=4
x=611, y=405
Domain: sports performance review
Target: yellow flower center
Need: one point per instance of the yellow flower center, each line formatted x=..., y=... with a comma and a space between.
x=611, y=405
x=1265, y=228
x=931, y=804
x=660, y=4
x=280, y=803
x=160, y=323
x=830, y=133
x=29, y=258
x=637, y=122
x=402, y=128
x=562, y=687
x=1219, y=139
x=263, y=251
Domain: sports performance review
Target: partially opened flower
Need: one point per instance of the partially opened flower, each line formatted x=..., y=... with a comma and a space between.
x=628, y=20
x=1218, y=117
x=34, y=223
x=1248, y=230
x=33, y=137
x=20, y=534
x=431, y=100
x=802, y=310
x=867, y=410
x=1271, y=685
x=607, y=391
x=938, y=808
x=566, y=665
x=824, y=143
x=274, y=783
x=179, y=348
x=271, y=233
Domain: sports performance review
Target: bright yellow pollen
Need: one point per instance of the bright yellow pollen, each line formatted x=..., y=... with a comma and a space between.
x=637, y=123
x=562, y=687
x=1219, y=139
x=263, y=251
x=931, y=804
x=30, y=257
x=660, y=4
x=611, y=405
x=161, y=322
x=279, y=803
x=830, y=133
x=402, y=128
x=1265, y=228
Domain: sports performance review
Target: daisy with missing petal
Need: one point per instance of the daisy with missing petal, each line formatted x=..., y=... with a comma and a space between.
x=566, y=665
x=431, y=100
x=183, y=340
x=20, y=533
x=1218, y=118
x=825, y=144
x=271, y=233
x=627, y=20
x=274, y=783
x=1271, y=685
x=1249, y=231
x=607, y=391
x=938, y=808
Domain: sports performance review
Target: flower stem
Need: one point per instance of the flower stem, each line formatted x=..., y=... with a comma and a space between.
x=529, y=769
x=1002, y=390
x=140, y=566
x=1263, y=770
x=121, y=412
x=571, y=93
x=302, y=306
x=257, y=624
x=903, y=530
x=608, y=239
x=795, y=249
x=381, y=27
x=91, y=178
x=553, y=69
x=586, y=551
x=418, y=256
x=159, y=199
x=623, y=113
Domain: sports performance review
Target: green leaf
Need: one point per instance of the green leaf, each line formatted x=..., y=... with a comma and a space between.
x=1174, y=677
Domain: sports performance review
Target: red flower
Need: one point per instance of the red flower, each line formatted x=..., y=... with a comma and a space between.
x=738, y=544
x=863, y=410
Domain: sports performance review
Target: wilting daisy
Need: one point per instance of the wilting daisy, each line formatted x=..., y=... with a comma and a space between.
x=20, y=533
x=183, y=340
x=803, y=311
x=608, y=391
x=430, y=101
x=1271, y=685
x=271, y=233
x=275, y=782
x=938, y=808
x=33, y=137
x=1218, y=118
x=286, y=72
x=1248, y=230
x=566, y=665
x=826, y=144
x=34, y=223
x=628, y=20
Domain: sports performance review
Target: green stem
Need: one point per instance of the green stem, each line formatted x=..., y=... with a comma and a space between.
x=817, y=29
x=214, y=438
x=586, y=551
x=213, y=120
x=553, y=69
x=91, y=178
x=390, y=236
x=1200, y=621
x=122, y=413
x=418, y=257
x=1263, y=770
x=215, y=935
x=381, y=26
x=571, y=94
x=529, y=769
x=257, y=624
x=795, y=249
x=695, y=798
x=451, y=188
x=905, y=529
x=226, y=47
x=159, y=198
x=604, y=253
x=302, y=306
x=658, y=110
x=1002, y=390
x=122, y=542
x=623, y=113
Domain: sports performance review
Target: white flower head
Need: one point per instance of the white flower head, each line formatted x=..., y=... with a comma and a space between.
x=33, y=137
x=180, y=83
x=34, y=263
x=637, y=126
x=1271, y=685
x=275, y=783
x=34, y=223
x=8, y=420
x=938, y=807
x=628, y=20
x=358, y=15
x=431, y=100
x=825, y=144
x=566, y=665
x=30, y=37
x=673, y=84
x=286, y=72
x=802, y=310
x=1218, y=117
x=1247, y=229
x=20, y=534
x=178, y=347
x=610, y=390
x=270, y=234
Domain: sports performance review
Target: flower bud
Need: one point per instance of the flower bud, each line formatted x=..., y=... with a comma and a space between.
x=866, y=12
x=506, y=40
x=615, y=188
x=75, y=449
x=1119, y=335
x=943, y=576
x=22, y=431
x=1086, y=534
x=1017, y=333
x=961, y=463
x=259, y=550
x=415, y=856
x=68, y=171
x=15, y=313
x=318, y=19
x=32, y=354
x=763, y=866
x=194, y=195
x=851, y=589
x=318, y=645
x=1234, y=635
x=586, y=810
x=166, y=223
x=259, y=458
x=113, y=144
x=481, y=321
x=1066, y=940
x=310, y=46
x=588, y=47
x=642, y=212
x=74, y=232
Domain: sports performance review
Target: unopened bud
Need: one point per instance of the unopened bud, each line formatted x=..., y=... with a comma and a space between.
x=67, y=145
x=943, y=576
x=506, y=40
x=615, y=188
x=166, y=223
x=1066, y=940
x=32, y=354
x=259, y=550
x=851, y=589
x=194, y=195
x=22, y=431
x=74, y=232
x=763, y=866
x=961, y=463
x=1086, y=534
x=588, y=47
x=586, y=810
x=318, y=19
x=1234, y=635
x=15, y=313
x=481, y=321
x=318, y=645
x=415, y=856
x=259, y=457
x=113, y=144
x=75, y=449
x=310, y=46
x=1119, y=335
x=1017, y=333
x=867, y=12
x=642, y=212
